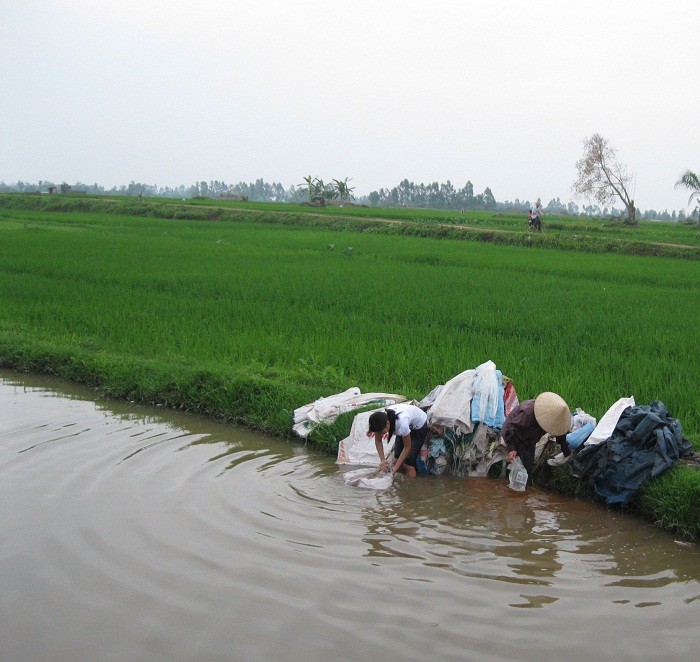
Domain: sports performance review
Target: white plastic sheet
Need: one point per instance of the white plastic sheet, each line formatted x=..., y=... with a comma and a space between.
x=606, y=425
x=371, y=479
x=486, y=384
x=581, y=418
x=357, y=447
x=452, y=406
x=326, y=410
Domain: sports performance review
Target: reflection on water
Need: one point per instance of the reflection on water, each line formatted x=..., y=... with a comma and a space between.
x=134, y=533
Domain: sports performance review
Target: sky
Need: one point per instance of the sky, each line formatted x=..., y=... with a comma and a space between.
x=498, y=92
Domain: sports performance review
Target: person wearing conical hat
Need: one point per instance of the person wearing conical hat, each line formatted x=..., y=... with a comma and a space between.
x=548, y=413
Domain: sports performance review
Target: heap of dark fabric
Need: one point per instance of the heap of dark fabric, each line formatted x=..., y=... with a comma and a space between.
x=646, y=443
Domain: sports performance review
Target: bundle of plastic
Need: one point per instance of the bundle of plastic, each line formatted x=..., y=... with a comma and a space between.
x=645, y=443
x=487, y=402
x=371, y=479
x=452, y=405
x=357, y=447
x=517, y=480
x=326, y=410
x=607, y=424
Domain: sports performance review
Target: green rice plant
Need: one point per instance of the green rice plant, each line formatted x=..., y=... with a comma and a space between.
x=327, y=436
x=673, y=501
x=275, y=300
x=245, y=321
x=573, y=233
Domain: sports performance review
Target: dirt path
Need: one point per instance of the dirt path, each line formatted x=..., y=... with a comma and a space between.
x=470, y=228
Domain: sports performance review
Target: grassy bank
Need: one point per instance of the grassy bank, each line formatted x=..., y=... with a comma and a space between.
x=565, y=233
x=247, y=320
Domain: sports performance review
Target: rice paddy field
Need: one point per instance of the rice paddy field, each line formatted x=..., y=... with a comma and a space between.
x=580, y=226
x=247, y=320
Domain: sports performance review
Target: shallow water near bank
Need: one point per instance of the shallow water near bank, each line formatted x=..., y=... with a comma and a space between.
x=136, y=533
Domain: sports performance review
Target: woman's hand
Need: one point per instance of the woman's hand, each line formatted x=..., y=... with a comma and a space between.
x=382, y=465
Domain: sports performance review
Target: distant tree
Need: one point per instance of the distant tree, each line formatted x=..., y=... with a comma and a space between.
x=602, y=176
x=278, y=192
x=591, y=210
x=393, y=197
x=435, y=200
x=420, y=195
x=322, y=190
x=556, y=206
x=135, y=188
x=310, y=186
x=489, y=200
x=465, y=196
x=262, y=191
x=341, y=189
x=405, y=193
x=448, y=195
x=690, y=180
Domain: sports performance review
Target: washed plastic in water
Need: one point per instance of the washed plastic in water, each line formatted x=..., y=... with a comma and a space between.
x=518, y=476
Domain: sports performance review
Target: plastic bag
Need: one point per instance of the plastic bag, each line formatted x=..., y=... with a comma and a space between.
x=518, y=475
x=371, y=479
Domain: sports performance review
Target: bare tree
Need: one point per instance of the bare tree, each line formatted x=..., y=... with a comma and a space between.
x=691, y=181
x=602, y=176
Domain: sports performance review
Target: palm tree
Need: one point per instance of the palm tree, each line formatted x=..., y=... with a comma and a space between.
x=342, y=190
x=310, y=187
x=320, y=188
x=691, y=181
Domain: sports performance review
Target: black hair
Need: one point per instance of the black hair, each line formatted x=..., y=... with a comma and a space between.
x=392, y=416
x=379, y=419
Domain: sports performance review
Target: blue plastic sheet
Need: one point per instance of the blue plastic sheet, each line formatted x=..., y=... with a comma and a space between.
x=645, y=443
x=576, y=438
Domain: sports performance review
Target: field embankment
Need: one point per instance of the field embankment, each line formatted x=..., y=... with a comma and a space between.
x=247, y=320
x=581, y=234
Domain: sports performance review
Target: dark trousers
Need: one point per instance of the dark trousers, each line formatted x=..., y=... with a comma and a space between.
x=417, y=440
x=527, y=456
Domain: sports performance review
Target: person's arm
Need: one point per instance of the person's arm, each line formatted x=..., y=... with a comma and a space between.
x=380, y=450
x=564, y=445
x=404, y=453
x=507, y=437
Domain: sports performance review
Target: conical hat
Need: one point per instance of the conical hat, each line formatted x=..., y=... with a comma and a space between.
x=552, y=413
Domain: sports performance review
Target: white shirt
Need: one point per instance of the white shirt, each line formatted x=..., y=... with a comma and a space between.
x=408, y=417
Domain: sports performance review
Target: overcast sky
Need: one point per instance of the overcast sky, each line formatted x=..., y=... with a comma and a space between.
x=501, y=93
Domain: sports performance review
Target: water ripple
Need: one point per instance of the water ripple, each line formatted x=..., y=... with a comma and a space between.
x=147, y=534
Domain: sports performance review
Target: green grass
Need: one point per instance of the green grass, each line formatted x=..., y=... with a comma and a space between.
x=673, y=502
x=246, y=321
x=395, y=314
x=572, y=233
x=683, y=233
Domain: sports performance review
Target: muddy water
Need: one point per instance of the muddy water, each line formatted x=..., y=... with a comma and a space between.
x=133, y=533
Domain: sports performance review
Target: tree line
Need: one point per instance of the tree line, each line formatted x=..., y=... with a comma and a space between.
x=405, y=194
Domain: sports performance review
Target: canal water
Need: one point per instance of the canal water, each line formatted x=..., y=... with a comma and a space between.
x=132, y=533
